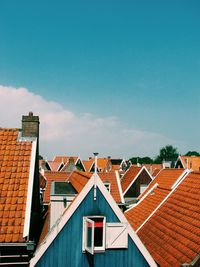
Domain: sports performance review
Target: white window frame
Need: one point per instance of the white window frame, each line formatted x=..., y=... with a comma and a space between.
x=84, y=243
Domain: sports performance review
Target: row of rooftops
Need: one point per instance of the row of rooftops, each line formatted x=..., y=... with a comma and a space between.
x=165, y=213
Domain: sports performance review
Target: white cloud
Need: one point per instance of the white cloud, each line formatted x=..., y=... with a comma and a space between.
x=64, y=132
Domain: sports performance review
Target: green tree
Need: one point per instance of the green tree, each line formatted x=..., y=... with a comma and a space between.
x=167, y=153
x=141, y=160
x=192, y=153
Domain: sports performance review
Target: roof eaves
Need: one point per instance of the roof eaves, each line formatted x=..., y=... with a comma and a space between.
x=145, y=195
x=30, y=189
x=119, y=186
x=163, y=201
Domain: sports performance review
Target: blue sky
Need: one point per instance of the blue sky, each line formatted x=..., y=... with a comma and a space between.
x=136, y=61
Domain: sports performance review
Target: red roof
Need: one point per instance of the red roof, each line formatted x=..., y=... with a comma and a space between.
x=172, y=234
x=152, y=197
x=64, y=159
x=79, y=179
x=165, y=178
x=111, y=178
x=129, y=176
x=15, y=159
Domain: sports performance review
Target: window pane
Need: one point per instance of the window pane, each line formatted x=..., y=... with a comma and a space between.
x=89, y=235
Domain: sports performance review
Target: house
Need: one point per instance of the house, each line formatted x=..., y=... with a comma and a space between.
x=19, y=185
x=103, y=164
x=188, y=162
x=92, y=231
x=153, y=168
x=112, y=182
x=172, y=232
x=134, y=182
x=156, y=192
x=62, y=163
x=119, y=164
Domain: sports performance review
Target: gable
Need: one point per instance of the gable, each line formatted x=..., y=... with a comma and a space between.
x=65, y=237
x=66, y=249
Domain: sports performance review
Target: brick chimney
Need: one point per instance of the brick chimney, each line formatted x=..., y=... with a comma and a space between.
x=30, y=125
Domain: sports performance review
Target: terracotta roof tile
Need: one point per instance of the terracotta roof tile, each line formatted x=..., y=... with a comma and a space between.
x=79, y=179
x=112, y=179
x=128, y=177
x=172, y=234
x=191, y=162
x=152, y=197
x=13, y=154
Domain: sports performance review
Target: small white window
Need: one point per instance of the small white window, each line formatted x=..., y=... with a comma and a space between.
x=108, y=186
x=94, y=234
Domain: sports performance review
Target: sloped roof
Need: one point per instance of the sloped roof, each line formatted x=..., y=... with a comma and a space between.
x=101, y=163
x=88, y=164
x=129, y=176
x=54, y=165
x=191, y=162
x=172, y=234
x=69, y=211
x=159, y=188
x=64, y=159
x=79, y=179
x=153, y=167
x=114, y=181
x=165, y=179
x=50, y=177
x=15, y=161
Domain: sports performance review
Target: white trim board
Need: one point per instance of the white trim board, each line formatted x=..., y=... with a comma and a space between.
x=119, y=186
x=94, y=180
x=30, y=190
x=181, y=179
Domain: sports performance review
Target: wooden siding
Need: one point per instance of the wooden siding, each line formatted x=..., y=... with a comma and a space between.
x=66, y=249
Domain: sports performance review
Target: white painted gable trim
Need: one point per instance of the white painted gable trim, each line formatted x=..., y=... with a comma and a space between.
x=143, y=168
x=145, y=195
x=30, y=190
x=181, y=179
x=94, y=180
x=119, y=186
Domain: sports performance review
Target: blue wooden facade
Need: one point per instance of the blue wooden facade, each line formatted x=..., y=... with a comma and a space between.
x=66, y=249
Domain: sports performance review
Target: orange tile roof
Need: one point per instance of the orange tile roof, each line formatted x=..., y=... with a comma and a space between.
x=79, y=179
x=15, y=158
x=50, y=177
x=192, y=162
x=155, y=172
x=102, y=163
x=154, y=195
x=172, y=234
x=129, y=176
x=165, y=178
x=64, y=159
x=153, y=167
x=54, y=165
x=112, y=179
x=88, y=164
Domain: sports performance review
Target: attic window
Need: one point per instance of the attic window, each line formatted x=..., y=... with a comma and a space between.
x=99, y=235
x=94, y=234
x=107, y=185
